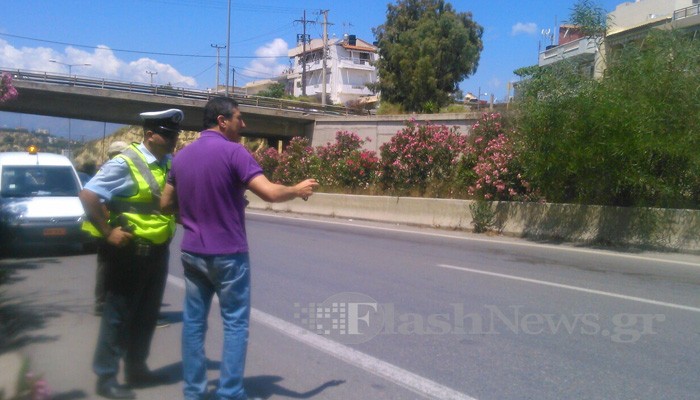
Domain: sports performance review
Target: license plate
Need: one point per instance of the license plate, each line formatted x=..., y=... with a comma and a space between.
x=55, y=232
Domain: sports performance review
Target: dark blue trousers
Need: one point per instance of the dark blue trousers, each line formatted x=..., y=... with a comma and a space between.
x=134, y=285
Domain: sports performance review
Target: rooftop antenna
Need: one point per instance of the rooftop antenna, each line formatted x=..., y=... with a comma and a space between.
x=346, y=27
x=548, y=35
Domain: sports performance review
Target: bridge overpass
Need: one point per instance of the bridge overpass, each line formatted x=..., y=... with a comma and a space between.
x=118, y=102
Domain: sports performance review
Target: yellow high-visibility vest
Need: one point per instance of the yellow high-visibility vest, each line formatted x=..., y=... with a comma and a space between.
x=142, y=210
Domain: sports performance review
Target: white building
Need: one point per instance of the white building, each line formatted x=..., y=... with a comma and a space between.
x=349, y=68
x=629, y=21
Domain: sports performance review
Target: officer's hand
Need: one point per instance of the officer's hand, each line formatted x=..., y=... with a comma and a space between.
x=118, y=237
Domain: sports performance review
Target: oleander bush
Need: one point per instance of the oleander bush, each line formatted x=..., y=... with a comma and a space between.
x=421, y=159
x=494, y=162
x=345, y=164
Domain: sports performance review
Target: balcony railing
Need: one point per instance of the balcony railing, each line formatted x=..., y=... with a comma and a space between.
x=580, y=47
x=686, y=12
x=356, y=89
x=346, y=62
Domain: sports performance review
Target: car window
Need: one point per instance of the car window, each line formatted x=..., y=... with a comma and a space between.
x=31, y=181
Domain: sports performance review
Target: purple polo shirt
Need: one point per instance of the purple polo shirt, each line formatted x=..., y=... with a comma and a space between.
x=210, y=177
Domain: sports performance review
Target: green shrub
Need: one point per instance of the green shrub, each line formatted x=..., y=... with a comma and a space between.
x=629, y=139
x=482, y=215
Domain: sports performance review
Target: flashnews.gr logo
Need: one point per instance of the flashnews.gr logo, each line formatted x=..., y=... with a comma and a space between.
x=354, y=318
x=349, y=318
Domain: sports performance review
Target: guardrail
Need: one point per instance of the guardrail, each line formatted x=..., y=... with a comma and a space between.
x=160, y=90
x=648, y=228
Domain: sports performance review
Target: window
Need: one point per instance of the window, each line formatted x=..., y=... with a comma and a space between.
x=28, y=181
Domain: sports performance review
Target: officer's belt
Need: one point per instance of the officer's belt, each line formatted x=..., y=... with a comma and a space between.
x=144, y=247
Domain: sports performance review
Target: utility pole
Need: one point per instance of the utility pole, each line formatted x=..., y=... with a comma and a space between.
x=228, y=44
x=218, y=64
x=233, y=79
x=151, y=73
x=304, y=21
x=325, y=53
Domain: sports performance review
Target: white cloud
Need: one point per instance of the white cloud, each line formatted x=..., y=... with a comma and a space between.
x=528, y=28
x=275, y=48
x=266, y=66
x=103, y=64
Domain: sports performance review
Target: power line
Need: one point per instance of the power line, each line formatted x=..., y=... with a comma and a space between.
x=129, y=51
x=278, y=31
x=221, y=5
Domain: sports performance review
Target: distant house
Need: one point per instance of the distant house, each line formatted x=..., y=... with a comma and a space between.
x=630, y=21
x=349, y=68
x=256, y=87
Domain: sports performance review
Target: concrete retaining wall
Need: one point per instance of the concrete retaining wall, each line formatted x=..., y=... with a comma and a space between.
x=381, y=128
x=674, y=230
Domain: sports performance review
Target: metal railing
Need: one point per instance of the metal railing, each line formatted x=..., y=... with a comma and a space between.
x=686, y=12
x=161, y=90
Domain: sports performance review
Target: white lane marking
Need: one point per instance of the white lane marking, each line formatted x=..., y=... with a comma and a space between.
x=474, y=239
x=416, y=383
x=576, y=288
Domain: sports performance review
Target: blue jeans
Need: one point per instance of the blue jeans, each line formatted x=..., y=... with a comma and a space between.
x=229, y=277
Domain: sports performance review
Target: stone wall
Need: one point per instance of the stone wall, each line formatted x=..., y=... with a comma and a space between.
x=381, y=128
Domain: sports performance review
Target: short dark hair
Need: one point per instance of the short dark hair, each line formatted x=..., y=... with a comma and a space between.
x=218, y=106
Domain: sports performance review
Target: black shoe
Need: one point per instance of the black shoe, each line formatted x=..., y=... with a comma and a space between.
x=112, y=390
x=162, y=323
x=144, y=378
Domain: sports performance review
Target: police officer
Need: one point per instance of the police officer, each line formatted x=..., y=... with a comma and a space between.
x=137, y=237
x=114, y=149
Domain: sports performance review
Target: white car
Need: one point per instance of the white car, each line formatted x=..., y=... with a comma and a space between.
x=39, y=201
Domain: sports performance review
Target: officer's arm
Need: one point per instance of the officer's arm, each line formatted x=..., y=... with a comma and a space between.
x=95, y=213
x=94, y=209
x=275, y=193
x=168, y=200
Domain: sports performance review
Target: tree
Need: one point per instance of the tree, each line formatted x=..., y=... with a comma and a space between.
x=630, y=139
x=589, y=18
x=276, y=90
x=426, y=48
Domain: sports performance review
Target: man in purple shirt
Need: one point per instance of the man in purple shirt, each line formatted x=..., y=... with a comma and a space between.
x=207, y=184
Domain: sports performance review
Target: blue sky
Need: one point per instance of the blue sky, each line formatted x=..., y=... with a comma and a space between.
x=172, y=39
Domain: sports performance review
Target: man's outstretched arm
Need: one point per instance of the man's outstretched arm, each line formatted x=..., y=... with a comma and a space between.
x=276, y=193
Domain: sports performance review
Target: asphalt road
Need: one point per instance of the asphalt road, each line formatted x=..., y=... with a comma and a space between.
x=406, y=313
x=494, y=318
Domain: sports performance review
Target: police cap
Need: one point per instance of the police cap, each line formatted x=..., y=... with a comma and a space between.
x=167, y=121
